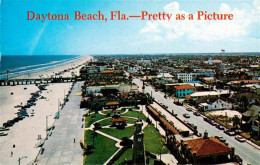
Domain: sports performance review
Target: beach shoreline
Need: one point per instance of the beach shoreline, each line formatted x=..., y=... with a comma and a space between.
x=24, y=135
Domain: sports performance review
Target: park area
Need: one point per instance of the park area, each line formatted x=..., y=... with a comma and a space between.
x=104, y=141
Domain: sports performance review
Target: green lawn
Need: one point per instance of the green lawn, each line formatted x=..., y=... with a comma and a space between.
x=92, y=118
x=110, y=111
x=135, y=114
x=108, y=121
x=127, y=132
x=128, y=154
x=104, y=148
x=153, y=140
x=105, y=122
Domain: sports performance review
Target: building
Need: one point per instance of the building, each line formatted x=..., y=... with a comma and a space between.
x=121, y=88
x=205, y=150
x=212, y=62
x=218, y=93
x=187, y=77
x=183, y=90
x=142, y=61
x=138, y=145
x=216, y=105
x=256, y=125
x=165, y=76
x=250, y=119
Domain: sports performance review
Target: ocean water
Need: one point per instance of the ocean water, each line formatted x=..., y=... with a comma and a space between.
x=21, y=65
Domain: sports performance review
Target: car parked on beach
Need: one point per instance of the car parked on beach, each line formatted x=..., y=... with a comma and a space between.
x=186, y=115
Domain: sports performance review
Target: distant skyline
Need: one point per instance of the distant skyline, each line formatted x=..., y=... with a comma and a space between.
x=20, y=36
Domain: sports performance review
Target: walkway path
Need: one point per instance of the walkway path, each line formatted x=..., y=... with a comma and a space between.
x=60, y=148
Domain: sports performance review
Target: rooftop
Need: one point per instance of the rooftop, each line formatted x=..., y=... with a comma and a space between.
x=185, y=86
x=112, y=103
x=210, y=146
x=209, y=93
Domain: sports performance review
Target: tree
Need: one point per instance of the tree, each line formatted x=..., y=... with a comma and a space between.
x=245, y=103
x=236, y=121
x=180, y=81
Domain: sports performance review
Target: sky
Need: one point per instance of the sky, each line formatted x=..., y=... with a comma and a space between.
x=20, y=36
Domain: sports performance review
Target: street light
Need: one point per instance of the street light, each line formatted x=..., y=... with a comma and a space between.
x=161, y=153
x=20, y=158
x=47, y=126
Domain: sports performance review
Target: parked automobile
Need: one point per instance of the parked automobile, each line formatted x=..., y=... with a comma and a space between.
x=207, y=119
x=220, y=138
x=220, y=127
x=188, y=109
x=229, y=132
x=240, y=138
x=196, y=113
x=174, y=114
x=213, y=123
x=186, y=115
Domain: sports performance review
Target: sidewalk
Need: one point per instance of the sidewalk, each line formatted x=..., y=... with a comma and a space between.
x=60, y=148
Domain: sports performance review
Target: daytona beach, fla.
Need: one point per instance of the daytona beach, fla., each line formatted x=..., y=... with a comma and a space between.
x=118, y=15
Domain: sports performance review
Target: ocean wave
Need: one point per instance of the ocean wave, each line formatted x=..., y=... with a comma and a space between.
x=40, y=67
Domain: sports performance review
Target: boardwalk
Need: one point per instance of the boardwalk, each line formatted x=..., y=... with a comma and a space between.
x=37, y=81
x=60, y=147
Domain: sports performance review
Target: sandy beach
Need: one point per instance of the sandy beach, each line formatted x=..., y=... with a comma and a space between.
x=51, y=72
x=24, y=135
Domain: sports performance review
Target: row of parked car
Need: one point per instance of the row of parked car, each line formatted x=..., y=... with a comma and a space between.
x=226, y=131
x=213, y=123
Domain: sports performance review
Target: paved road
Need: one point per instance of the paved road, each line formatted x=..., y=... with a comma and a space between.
x=248, y=153
x=60, y=148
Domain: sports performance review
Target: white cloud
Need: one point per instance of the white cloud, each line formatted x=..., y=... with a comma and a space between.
x=202, y=30
x=257, y=4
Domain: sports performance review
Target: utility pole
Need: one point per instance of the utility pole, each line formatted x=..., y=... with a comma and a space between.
x=47, y=126
x=20, y=158
x=226, y=119
x=58, y=105
x=7, y=71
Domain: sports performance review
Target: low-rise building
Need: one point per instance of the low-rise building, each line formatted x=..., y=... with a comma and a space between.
x=187, y=77
x=218, y=93
x=205, y=150
x=183, y=90
x=216, y=105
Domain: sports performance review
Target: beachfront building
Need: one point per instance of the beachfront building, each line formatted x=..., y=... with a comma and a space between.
x=103, y=72
x=124, y=88
x=112, y=99
x=216, y=105
x=183, y=90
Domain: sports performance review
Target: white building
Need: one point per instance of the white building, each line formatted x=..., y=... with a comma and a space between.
x=218, y=93
x=165, y=76
x=187, y=77
x=142, y=61
x=217, y=105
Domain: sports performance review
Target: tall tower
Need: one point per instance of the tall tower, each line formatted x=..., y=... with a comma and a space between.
x=138, y=148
